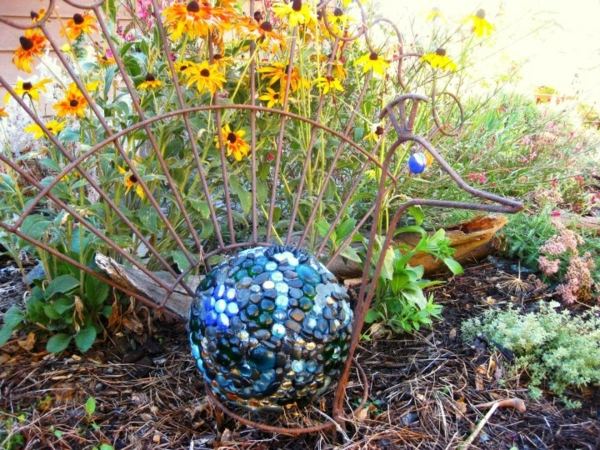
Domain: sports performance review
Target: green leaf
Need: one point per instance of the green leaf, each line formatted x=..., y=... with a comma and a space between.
x=417, y=213
x=61, y=285
x=180, y=259
x=372, y=316
x=322, y=226
x=453, y=265
x=351, y=254
x=70, y=135
x=345, y=228
x=58, y=342
x=242, y=193
x=35, y=226
x=90, y=406
x=96, y=291
x=63, y=304
x=85, y=338
x=12, y=319
x=106, y=447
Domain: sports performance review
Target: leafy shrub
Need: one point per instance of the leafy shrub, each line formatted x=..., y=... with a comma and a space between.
x=556, y=350
x=400, y=303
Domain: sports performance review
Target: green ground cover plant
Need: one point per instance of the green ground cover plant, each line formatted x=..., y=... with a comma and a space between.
x=554, y=350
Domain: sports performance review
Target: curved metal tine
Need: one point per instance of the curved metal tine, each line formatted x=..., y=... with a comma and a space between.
x=188, y=126
x=311, y=143
x=82, y=220
x=341, y=210
x=77, y=264
x=28, y=26
x=336, y=156
x=281, y=134
x=117, y=144
x=83, y=172
x=138, y=108
x=254, y=182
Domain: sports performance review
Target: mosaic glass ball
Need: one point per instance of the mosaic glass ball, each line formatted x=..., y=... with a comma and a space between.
x=269, y=327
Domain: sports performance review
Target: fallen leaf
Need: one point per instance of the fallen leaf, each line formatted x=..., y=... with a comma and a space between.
x=461, y=407
x=479, y=374
x=28, y=343
x=452, y=334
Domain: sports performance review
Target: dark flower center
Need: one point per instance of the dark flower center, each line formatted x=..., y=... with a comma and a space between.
x=480, y=13
x=217, y=57
x=133, y=179
x=205, y=72
x=26, y=44
x=266, y=26
x=193, y=7
x=258, y=16
x=338, y=12
x=373, y=56
x=73, y=103
x=276, y=96
x=379, y=130
x=34, y=15
x=440, y=52
x=231, y=137
x=78, y=18
x=183, y=68
x=27, y=85
x=150, y=77
x=297, y=5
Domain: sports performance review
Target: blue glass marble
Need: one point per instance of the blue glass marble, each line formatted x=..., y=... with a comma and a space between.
x=270, y=326
x=417, y=163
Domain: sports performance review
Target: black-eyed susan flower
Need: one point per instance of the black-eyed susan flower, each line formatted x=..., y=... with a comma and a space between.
x=206, y=77
x=31, y=88
x=32, y=44
x=272, y=97
x=375, y=132
x=72, y=104
x=37, y=15
x=107, y=58
x=372, y=61
x=184, y=68
x=328, y=84
x=221, y=62
x=479, y=24
x=439, y=60
x=54, y=127
x=79, y=25
x=195, y=19
x=294, y=13
x=131, y=182
x=277, y=72
x=234, y=143
x=150, y=83
x=337, y=21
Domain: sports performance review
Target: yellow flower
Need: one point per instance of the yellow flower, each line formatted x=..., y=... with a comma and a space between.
x=326, y=84
x=338, y=22
x=439, y=60
x=206, y=77
x=184, y=68
x=131, y=181
x=79, y=24
x=234, y=142
x=434, y=14
x=375, y=133
x=53, y=127
x=31, y=88
x=73, y=103
x=272, y=98
x=32, y=44
x=196, y=20
x=37, y=15
x=480, y=26
x=277, y=72
x=3, y=112
x=372, y=61
x=296, y=13
x=106, y=59
x=150, y=83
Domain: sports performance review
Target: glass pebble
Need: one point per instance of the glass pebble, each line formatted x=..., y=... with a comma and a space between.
x=282, y=301
x=278, y=330
x=220, y=305
x=297, y=365
x=230, y=293
x=277, y=276
x=282, y=288
x=271, y=266
x=268, y=284
x=232, y=308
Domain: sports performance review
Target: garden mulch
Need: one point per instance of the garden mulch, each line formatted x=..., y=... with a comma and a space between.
x=428, y=390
